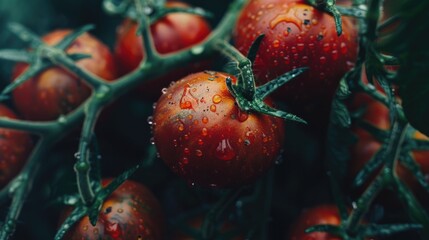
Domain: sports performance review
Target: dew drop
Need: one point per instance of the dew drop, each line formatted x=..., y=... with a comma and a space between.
x=154, y=105
x=343, y=48
x=181, y=127
x=224, y=151
x=198, y=153
x=185, y=160
x=216, y=99
x=300, y=46
x=276, y=43
x=186, y=151
x=175, y=143
x=200, y=142
x=322, y=60
x=205, y=120
x=150, y=120
x=164, y=90
x=204, y=131
x=197, y=50
x=152, y=141
x=335, y=54
x=326, y=47
x=213, y=108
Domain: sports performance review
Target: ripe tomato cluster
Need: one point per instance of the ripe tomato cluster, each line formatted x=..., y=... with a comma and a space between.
x=201, y=129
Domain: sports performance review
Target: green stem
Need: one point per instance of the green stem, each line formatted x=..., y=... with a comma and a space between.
x=393, y=150
x=39, y=128
x=21, y=186
x=149, y=50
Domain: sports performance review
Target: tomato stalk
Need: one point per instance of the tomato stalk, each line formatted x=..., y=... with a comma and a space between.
x=247, y=95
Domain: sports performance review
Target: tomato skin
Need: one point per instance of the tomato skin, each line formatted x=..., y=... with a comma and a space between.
x=15, y=147
x=130, y=212
x=55, y=91
x=322, y=214
x=203, y=136
x=171, y=33
x=297, y=35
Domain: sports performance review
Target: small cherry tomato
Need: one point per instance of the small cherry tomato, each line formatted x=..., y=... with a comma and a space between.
x=204, y=137
x=175, y=31
x=15, y=147
x=298, y=35
x=55, y=91
x=130, y=212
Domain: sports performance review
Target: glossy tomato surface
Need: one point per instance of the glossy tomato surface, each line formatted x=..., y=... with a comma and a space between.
x=322, y=214
x=15, y=147
x=297, y=35
x=55, y=91
x=130, y=212
x=203, y=136
x=171, y=33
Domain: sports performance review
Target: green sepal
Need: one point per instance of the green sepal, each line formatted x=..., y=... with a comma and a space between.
x=253, y=50
x=263, y=91
x=70, y=38
x=77, y=213
x=340, y=115
x=332, y=229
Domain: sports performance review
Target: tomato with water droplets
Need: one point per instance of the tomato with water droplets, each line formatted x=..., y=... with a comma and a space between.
x=15, y=147
x=130, y=212
x=174, y=32
x=55, y=91
x=219, y=146
x=297, y=35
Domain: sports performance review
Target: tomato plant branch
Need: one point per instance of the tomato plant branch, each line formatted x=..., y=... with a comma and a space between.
x=20, y=187
x=38, y=128
x=392, y=152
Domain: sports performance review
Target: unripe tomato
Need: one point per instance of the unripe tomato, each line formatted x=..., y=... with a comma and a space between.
x=322, y=214
x=130, y=212
x=56, y=91
x=175, y=31
x=15, y=147
x=204, y=137
x=297, y=35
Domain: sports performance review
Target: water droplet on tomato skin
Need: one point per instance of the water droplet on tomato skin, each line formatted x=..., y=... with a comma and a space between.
x=152, y=141
x=198, y=153
x=181, y=127
x=322, y=60
x=164, y=90
x=205, y=120
x=224, y=150
x=186, y=151
x=216, y=99
x=204, y=132
x=113, y=229
x=150, y=120
x=343, y=48
x=213, y=108
x=300, y=46
x=276, y=43
x=334, y=54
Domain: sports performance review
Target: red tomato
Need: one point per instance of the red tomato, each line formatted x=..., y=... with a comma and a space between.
x=55, y=91
x=130, y=212
x=203, y=136
x=171, y=33
x=196, y=225
x=322, y=214
x=366, y=146
x=15, y=147
x=297, y=35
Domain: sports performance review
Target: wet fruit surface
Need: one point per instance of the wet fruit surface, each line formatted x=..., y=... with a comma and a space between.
x=297, y=35
x=130, y=212
x=15, y=147
x=55, y=91
x=204, y=137
x=171, y=33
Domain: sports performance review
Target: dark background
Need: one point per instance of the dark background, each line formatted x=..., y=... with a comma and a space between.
x=300, y=180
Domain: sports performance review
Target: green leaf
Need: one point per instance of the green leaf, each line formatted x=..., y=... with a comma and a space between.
x=69, y=39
